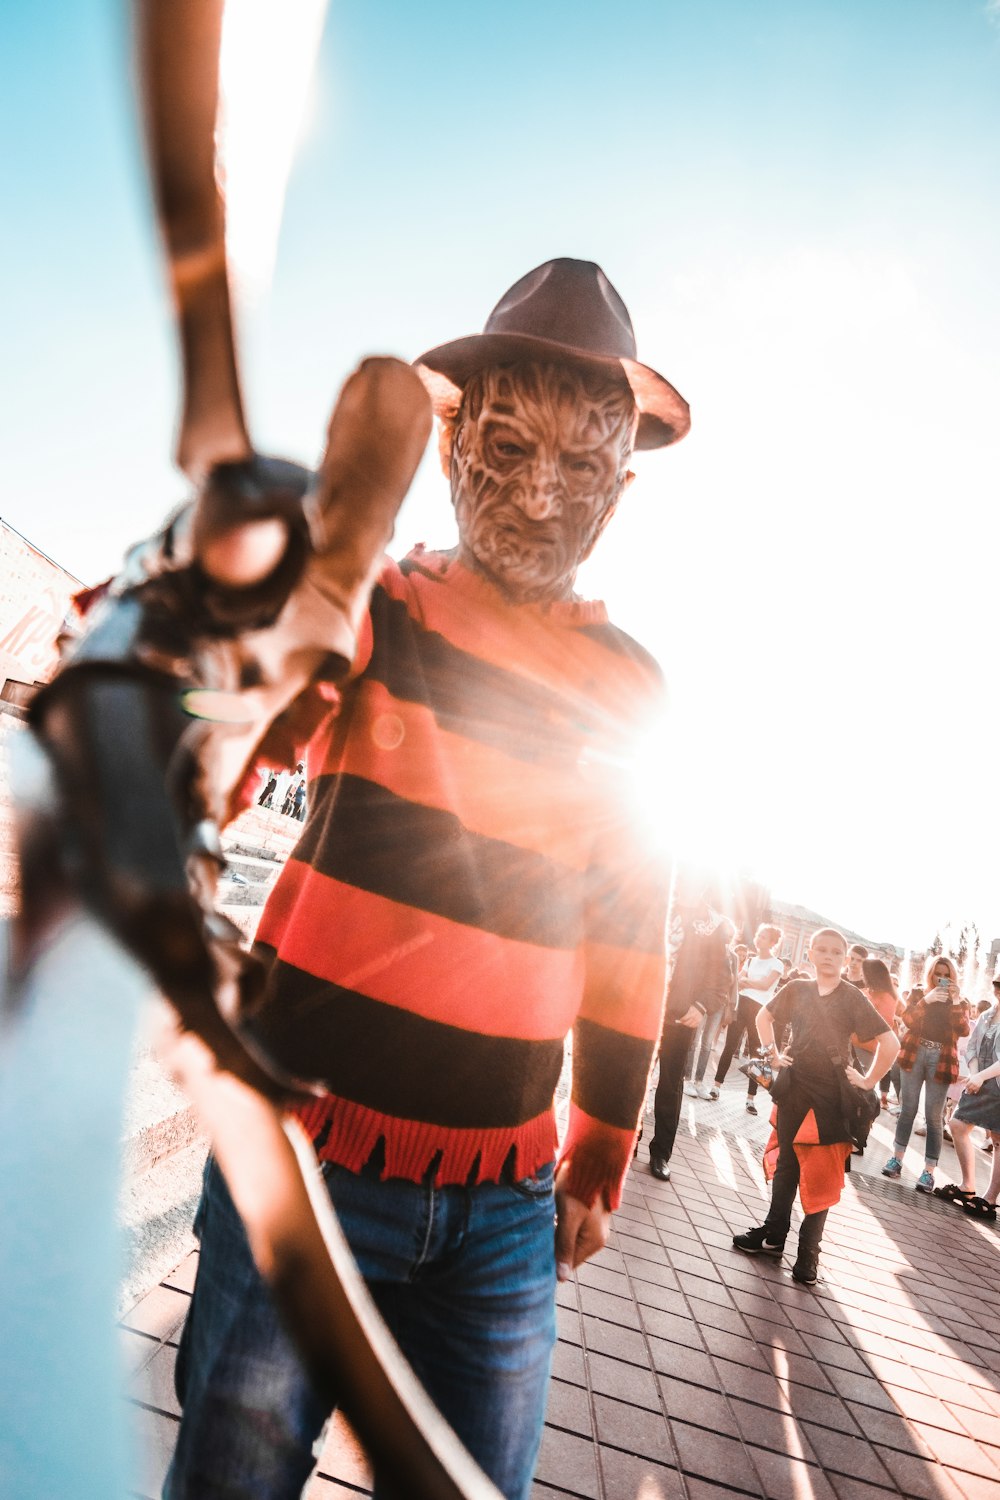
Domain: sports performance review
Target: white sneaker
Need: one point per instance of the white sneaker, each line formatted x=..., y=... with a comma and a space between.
x=690, y=1089
x=920, y=1128
x=703, y=1091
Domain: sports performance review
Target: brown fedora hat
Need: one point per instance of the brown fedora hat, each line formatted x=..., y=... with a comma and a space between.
x=563, y=310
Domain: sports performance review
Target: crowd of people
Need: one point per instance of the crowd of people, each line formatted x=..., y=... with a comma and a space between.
x=831, y=1040
x=284, y=791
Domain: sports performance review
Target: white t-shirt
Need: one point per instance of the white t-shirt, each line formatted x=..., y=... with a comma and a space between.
x=761, y=968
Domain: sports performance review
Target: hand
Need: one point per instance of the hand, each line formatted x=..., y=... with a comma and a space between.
x=781, y=1060
x=973, y=1083
x=692, y=1017
x=580, y=1231
x=859, y=1080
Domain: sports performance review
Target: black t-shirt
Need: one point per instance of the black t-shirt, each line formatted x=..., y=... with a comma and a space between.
x=937, y=1024
x=846, y=1013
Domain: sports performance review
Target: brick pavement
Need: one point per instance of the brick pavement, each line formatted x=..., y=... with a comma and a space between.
x=685, y=1369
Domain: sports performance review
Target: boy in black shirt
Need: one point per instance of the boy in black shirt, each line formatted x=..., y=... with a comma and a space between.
x=820, y=1016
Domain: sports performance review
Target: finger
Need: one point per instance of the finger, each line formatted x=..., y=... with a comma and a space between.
x=593, y=1236
x=245, y=554
x=570, y=1213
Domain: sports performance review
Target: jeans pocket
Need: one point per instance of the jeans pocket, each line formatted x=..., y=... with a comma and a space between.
x=538, y=1186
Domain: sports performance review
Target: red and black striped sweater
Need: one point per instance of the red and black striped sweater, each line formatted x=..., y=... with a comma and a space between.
x=469, y=886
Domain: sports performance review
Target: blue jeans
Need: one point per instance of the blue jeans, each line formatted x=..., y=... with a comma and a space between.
x=701, y=1047
x=465, y=1279
x=921, y=1075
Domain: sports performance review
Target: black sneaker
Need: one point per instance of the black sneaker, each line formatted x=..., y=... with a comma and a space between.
x=756, y=1242
x=806, y=1268
x=751, y=1107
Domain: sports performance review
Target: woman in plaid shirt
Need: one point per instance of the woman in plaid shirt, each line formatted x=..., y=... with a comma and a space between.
x=928, y=1060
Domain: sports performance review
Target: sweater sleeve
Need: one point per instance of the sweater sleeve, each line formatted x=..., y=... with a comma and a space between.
x=618, y=1026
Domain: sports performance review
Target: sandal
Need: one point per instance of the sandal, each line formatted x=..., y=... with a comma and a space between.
x=952, y=1193
x=981, y=1208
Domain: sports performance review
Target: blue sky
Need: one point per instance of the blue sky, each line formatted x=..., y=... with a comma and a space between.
x=798, y=202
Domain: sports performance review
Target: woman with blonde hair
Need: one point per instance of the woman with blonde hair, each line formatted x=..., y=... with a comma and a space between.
x=928, y=1061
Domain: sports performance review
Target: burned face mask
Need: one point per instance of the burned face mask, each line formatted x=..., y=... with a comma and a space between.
x=539, y=458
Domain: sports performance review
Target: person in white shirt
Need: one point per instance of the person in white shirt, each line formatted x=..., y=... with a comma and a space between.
x=758, y=982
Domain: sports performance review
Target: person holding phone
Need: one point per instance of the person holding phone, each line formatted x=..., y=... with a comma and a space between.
x=928, y=1061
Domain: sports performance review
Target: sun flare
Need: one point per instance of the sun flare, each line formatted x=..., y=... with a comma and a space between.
x=266, y=66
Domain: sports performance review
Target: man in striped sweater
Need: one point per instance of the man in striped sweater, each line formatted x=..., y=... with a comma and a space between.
x=469, y=889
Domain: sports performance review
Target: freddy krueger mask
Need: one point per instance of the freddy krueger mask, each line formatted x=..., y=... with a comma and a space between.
x=539, y=458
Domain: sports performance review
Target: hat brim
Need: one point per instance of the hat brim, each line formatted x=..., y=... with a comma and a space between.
x=664, y=415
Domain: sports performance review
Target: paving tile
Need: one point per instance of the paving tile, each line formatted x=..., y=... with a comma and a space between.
x=633, y=1429
x=844, y=1454
x=915, y=1477
x=160, y=1313
x=708, y=1291
x=957, y=1451
x=827, y=1352
x=568, y=1325
x=636, y=1231
x=784, y=1478
x=568, y=1363
x=823, y=1407
x=620, y=1310
x=974, y=1487
x=697, y=1267
x=604, y=1279
x=984, y=1426
x=710, y=1455
x=618, y=1343
x=684, y=1364
x=567, y=1294
x=321, y=1488
x=153, y=1383
x=154, y=1436
x=698, y=1406
x=776, y=1336
x=727, y=1346
x=342, y=1458
x=642, y=1257
x=858, y=1489
x=569, y=1463
x=182, y=1277
x=920, y=1408
x=891, y=1429
x=667, y=1325
x=569, y=1407
x=800, y=1368
x=623, y=1381
x=809, y=1322
x=608, y=1259
x=649, y=1272
x=897, y=1374
x=862, y=1388
x=135, y=1349
x=627, y=1476
x=767, y=1428
x=710, y=1314
x=751, y=1385
x=652, y=1294
x=744, y=1483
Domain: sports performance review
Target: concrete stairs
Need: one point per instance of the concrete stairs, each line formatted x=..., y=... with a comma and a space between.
x=163, y=1149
